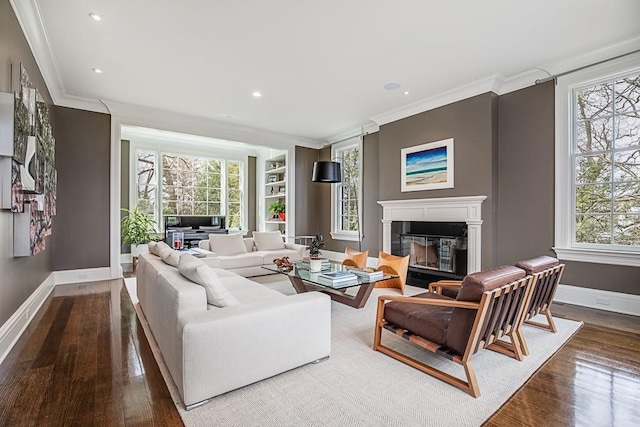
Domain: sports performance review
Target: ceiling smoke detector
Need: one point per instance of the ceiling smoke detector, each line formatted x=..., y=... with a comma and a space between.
x=392, y=86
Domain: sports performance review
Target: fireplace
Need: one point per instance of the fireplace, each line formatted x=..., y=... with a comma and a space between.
x=440, y=224
x=437, y=250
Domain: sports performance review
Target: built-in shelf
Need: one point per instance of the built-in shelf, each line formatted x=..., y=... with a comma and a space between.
x=281, y=169
x=275, y=169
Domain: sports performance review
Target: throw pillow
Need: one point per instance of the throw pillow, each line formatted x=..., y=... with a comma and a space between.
x=196, y=271
x=164, y=250
x=172, y=257
x=227, y=244
x=153, y=247
x=268, y=240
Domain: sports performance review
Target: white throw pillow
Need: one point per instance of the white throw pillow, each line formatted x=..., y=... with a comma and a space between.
x=227, y=244
x=153, y=247
x=268, y=240
x=172, y=257
x=164, y=251
x=196, y=271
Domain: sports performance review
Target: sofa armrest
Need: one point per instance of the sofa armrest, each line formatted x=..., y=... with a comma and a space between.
x=204, y=244
x=296, y=247
x=221, y=346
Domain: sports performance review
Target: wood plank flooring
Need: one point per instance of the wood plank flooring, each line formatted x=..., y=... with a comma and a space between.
x=84, y=360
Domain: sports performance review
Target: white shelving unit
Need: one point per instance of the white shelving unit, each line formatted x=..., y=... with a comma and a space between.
x=275, y=191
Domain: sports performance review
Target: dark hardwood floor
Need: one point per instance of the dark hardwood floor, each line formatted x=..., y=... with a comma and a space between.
x=84, y=360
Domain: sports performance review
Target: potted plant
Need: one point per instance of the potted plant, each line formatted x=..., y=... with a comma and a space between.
x=278, y=208
x=137, y=229
x=315, y=261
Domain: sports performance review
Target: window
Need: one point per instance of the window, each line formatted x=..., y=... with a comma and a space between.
x=346, y=194
x=598, y=167
x=190, y=185
x=146, y=184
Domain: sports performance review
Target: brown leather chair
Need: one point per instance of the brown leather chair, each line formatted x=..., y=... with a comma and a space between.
x=489, y=306
x=396, y=266
x=547, y=272
x=353, y=258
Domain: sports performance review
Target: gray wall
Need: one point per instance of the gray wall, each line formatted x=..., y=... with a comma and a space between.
x=20, y=276
x=526, y=188
x=124, y=184
x=472, y=123
x=81, y=239
x=306, y=208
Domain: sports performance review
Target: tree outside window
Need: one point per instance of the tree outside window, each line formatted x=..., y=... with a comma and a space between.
x=190, y=186
x=348, y=190
x=606, y=161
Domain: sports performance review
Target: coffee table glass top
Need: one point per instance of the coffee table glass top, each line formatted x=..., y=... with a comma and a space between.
x=313, y=277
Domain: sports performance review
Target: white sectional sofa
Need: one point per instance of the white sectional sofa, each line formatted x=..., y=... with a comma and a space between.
x=245, y=256
x=211, y=350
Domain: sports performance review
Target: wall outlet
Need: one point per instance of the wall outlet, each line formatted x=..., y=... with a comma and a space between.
x=603, y=301
x=83, y=276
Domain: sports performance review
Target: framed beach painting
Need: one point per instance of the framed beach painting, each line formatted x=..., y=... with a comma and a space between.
x=427, y=166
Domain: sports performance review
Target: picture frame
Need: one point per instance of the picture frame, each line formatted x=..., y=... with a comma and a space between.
x=427, y=166
x=272, y=178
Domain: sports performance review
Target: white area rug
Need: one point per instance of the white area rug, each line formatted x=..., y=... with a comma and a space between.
x=357, y=386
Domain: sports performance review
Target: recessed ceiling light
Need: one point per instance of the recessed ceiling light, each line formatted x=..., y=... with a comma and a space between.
x=95, y=17
x=97, y=70
x=256, y=94
x=392, y=86
x=406, y=92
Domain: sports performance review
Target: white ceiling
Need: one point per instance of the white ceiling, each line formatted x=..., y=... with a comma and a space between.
x=321, y=66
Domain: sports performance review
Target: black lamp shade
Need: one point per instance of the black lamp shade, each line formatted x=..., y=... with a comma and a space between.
x=328, y=172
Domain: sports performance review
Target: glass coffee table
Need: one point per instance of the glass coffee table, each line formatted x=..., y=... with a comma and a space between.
x=304, y=280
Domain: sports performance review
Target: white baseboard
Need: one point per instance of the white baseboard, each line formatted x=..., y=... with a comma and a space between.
x=65, y=277
x=601, y=300
x=18, y=322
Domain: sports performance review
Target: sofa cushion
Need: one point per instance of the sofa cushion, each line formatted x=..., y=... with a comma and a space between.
x=172, y=257
x=234, y=261
x=227, y=244
x=153, y=247
x=268, y=240
x=164, y=250
x=196, y=271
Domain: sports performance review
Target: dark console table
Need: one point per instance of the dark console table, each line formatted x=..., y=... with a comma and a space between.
x=195, y=228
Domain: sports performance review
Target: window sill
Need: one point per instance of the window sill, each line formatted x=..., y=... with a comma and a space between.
x=599, y=256
x=342, y=235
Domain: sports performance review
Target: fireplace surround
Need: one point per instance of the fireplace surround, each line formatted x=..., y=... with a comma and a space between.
x=467, y=209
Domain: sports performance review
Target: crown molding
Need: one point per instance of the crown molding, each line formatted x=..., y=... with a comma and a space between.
x=457, y=94
x=170, y=121
x=28, y=15
x=589, y=58
x=365, y=128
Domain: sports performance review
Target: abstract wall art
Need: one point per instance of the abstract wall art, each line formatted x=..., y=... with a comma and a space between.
x=33, y=183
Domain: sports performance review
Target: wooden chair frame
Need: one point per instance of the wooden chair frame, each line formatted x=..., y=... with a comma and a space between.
x=499, y=313
x=542, y=294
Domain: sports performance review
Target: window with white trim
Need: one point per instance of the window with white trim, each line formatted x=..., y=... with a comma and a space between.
x=346, y=194
x=606, y=163
x=189, y=185
x=598, y=164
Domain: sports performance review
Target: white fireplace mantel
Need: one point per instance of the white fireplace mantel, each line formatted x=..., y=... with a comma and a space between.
x=466, y=209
